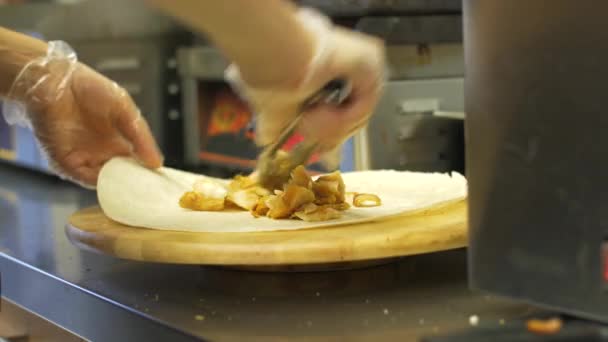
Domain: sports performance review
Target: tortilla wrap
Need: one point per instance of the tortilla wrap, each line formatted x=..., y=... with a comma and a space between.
x=133, y=195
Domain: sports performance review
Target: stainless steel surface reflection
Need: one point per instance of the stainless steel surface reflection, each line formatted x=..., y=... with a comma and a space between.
x=102, y=298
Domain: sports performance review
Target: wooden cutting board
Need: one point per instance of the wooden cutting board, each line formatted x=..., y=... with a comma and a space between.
x=436, y=229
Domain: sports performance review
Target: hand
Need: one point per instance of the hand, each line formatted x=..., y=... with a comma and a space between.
x=82, y=120
x=356, y=57
x=92, y=122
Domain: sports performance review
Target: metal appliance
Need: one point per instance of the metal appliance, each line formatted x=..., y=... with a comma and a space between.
x=134, y=46
x=177, y=80
x=535, y=151
x=417, y=125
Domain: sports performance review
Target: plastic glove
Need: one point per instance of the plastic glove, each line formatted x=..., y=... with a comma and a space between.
x=80, y=118
x=340, y=53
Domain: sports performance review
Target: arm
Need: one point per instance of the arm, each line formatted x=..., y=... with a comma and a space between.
x=282, y=55
x=16, y=50
x=249, y=32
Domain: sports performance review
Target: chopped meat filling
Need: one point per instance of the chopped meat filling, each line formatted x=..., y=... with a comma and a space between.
x=300, y=197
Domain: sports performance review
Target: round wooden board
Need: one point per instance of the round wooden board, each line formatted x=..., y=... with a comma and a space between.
x=431, y=230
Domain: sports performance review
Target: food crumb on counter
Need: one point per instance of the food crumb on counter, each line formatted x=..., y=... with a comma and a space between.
x=544, y=326
x=473, y=320
x=421, y=321
x=199, y=317
x=501, y=321
x=385, y=311
x=318, y=294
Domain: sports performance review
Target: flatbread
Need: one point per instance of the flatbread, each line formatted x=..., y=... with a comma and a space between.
x=133, y=195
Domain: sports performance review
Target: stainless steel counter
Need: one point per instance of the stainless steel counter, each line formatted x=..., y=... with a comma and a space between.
x=105, y=299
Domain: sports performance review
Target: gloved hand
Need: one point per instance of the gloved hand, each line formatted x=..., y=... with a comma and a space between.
x=80, y=118
x=340, y=53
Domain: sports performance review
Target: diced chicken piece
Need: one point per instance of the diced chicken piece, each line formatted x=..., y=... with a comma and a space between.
x=197, y=201
x=261, y=209
x=329, y=189
x=309, y=208
x=242, y=182
x=300, y=177
x=296, y=196
x=292, y=198
x=300, y=197
x=245, y=193
x=209, y=188
x=323, y=213
x=261, y=191
x=277, y=208
x=246, y=199
x=324, y=200
x=340, y=206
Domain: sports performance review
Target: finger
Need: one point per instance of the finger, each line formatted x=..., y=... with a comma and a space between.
x=270, y=124
x=77, y=166
x=86, y=175
x=84, y=163
x=57, y=146
x=331, y=125
x=145, y=148
x=136, y=130
x=331, y=158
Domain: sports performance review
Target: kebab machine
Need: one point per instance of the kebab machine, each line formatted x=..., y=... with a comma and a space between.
x=535, y=87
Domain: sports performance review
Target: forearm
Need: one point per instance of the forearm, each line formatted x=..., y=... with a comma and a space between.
x=263, y=37
x=16, y=50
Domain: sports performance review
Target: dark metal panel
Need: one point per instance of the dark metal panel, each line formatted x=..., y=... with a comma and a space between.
x=342, y=8
x=414, y=29
x=404, y=133
x=107, y=299
x=536, y=150
x=76, y=310
x=88, y=20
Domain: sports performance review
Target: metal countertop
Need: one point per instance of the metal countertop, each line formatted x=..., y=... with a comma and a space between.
x=106, y=299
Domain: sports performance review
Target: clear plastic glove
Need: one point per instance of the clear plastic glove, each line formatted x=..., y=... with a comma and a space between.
x=80, y=118
x=340, y=53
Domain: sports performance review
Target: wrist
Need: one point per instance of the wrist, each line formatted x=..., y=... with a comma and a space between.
x=297, y=64
x=45, y=77
x=16, y=51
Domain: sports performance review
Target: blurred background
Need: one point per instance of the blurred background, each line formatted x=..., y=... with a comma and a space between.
x=176, y=78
